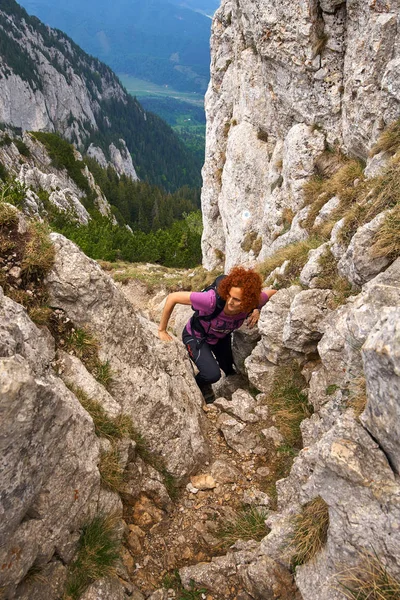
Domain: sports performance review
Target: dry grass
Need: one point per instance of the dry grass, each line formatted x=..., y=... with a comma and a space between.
x=320, y=43
x=40, y=314
x=8, y=215
x=296, y=253
x=252, y=242
x=329, y=278
x=111, y=472
x=38, y=253
x=358, y=395
x=248, y=524
x=310, y=530
x=248, y=241
x=389, y=141
x=287, y=218
x=379, y=194
x=387, y=239
x=288, y=405
x=199, y=279
x=318, y=190
x=369, y=580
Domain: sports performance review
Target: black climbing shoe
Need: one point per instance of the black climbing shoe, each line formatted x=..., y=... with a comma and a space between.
x=208, y=394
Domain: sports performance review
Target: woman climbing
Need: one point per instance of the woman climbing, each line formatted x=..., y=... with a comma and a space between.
x=219, y=310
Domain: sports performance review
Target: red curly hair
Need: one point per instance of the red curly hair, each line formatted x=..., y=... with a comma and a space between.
x=248, y=280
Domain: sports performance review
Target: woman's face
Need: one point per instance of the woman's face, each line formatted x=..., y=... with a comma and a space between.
x=233, y=304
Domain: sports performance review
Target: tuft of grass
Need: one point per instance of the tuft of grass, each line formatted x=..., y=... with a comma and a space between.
x=83, y=343
x=296, y=253
x=99, y=550
x=248, y=524
x=320, y=43
x=113, y=429
x=39, y=252
x=289, y=405
x=103, y=372
x=389, y=140
x=310, y=530
x=85, y=346
x=40, y=314
x=358, y=395
x=8, y=215
x=369, y=580
x=329, y=278
x=387, y=240
x=331, y=389
x=111, y=472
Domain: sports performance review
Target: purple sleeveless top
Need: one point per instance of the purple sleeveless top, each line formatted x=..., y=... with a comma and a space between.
x=222, y=324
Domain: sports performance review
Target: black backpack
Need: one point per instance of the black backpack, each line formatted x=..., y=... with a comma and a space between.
x=219, y=307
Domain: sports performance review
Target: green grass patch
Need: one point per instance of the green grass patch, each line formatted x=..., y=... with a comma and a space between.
x=112, y=428
x=99, y=550
x=13, y=192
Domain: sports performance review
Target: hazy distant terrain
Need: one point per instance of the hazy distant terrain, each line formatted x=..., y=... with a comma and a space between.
x=166, y=42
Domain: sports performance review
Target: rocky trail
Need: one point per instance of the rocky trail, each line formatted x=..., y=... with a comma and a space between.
x=233, y=480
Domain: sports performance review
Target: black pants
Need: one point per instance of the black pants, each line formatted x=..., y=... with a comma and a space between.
x=209, y=358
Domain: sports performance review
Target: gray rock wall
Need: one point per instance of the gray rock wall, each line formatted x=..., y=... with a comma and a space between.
x=351, y=462
x=50, y=483
x=286, y=79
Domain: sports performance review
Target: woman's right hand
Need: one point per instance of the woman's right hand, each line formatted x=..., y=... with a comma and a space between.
x=164, y=336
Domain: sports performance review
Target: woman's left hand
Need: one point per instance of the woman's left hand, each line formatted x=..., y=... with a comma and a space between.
x=253, y=318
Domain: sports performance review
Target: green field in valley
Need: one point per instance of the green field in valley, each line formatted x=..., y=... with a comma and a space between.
x=183, y=111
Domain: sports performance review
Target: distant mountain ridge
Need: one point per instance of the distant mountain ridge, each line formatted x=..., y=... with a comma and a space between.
x=47, y=83
x=162, y=41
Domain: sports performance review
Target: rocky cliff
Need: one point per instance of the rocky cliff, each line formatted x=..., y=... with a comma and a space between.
x=300, y=179
x=288, y=81
x=63, y=416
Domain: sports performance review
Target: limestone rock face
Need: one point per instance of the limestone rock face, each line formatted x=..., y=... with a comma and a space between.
x=285, y=79
x=304, y=324
x=358, y=264
x=152, y=381
x=49, y=453
x=381, y=356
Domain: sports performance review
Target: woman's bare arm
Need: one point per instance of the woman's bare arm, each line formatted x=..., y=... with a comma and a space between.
x=255, y=315
x=171, y=301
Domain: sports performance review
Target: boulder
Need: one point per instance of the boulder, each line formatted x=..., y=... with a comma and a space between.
x=358, y=264
x=153, y=381
x=304, y=325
